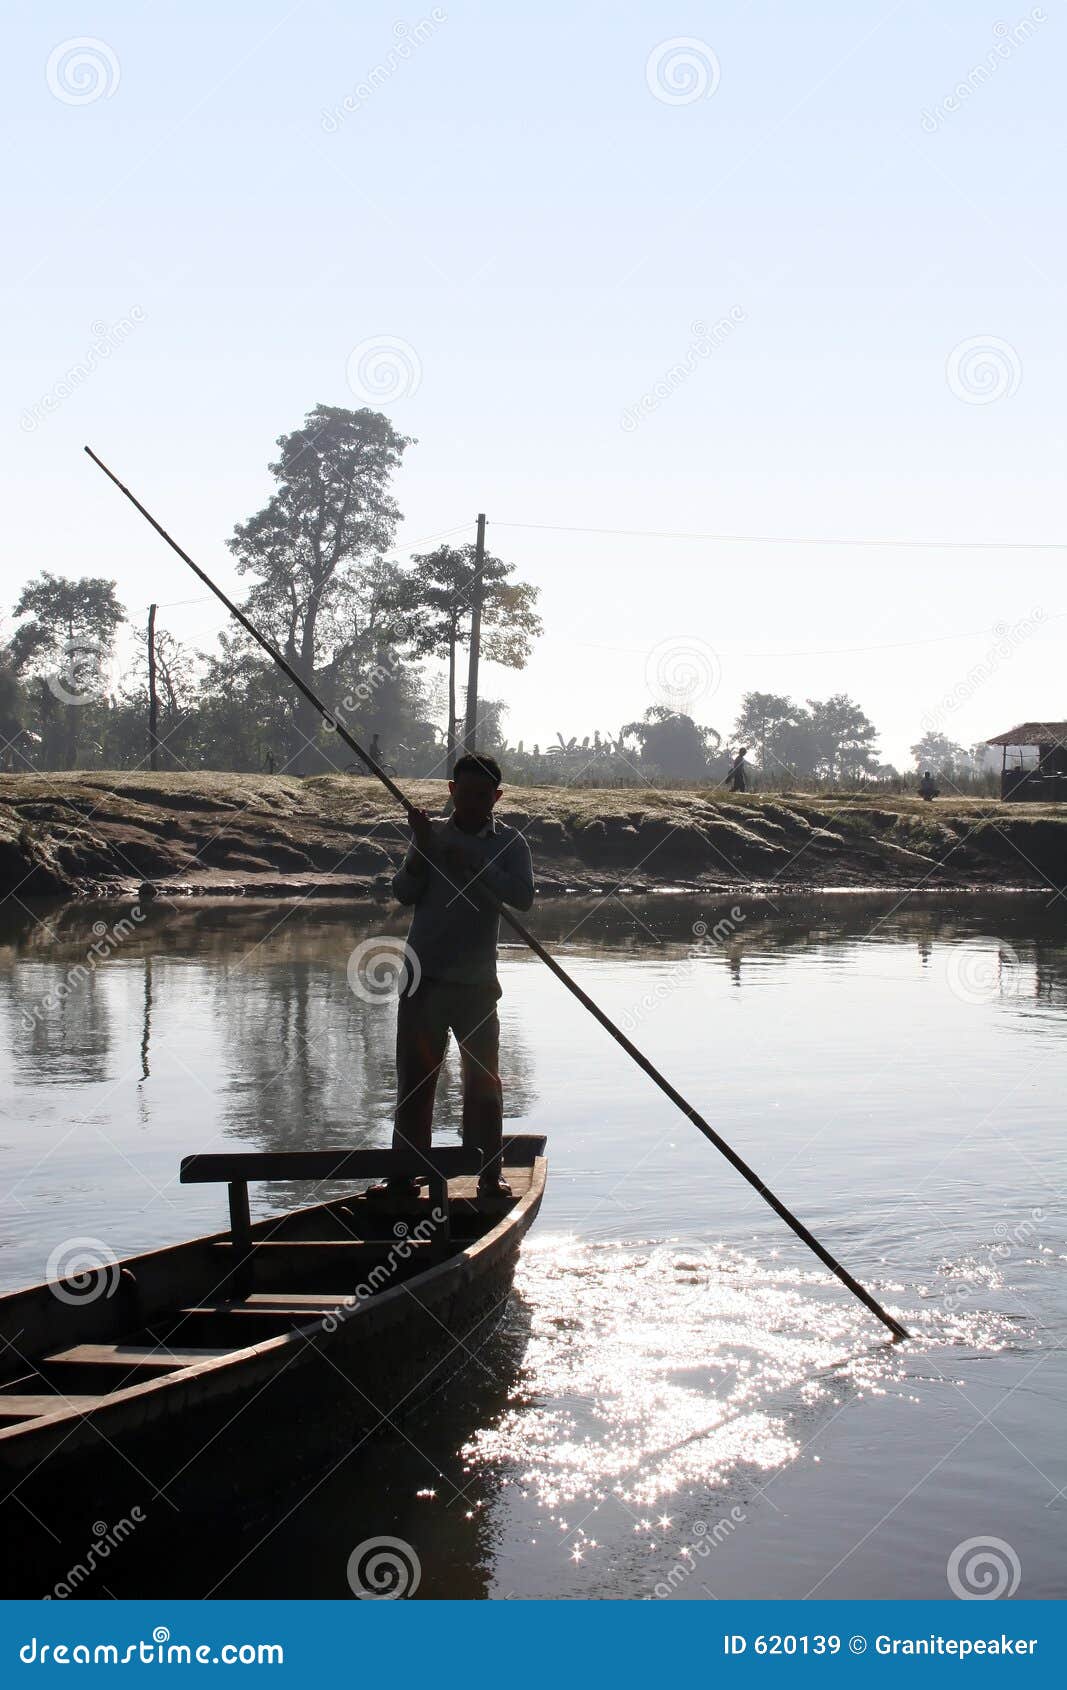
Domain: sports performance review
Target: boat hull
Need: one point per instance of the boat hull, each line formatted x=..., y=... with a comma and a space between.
x=235, y=1432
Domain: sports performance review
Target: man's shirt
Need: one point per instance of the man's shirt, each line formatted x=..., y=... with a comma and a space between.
x=453, y=932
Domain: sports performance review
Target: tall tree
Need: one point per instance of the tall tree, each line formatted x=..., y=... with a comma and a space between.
x=844, y=737
x=441, y=583
x=673, y=743
x=331, y=511
x=937, y=752
x=66, y=642
x=763, y=722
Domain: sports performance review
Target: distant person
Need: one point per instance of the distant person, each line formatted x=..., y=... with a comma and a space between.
x=736, y=780
x=453, y=944
x=927, y=787
x=376, y=750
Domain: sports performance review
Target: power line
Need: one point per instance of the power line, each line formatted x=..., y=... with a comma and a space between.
x=830, y=651
x=798, y=540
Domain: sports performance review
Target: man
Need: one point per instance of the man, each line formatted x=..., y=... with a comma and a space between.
x=455, y=873
x=735, y=781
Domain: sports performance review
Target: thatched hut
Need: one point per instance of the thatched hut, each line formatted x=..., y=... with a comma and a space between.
x=1034, y=764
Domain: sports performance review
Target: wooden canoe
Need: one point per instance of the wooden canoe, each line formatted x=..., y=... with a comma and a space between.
x=290, y=1339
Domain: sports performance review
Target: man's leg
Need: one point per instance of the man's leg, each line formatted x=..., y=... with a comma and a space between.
x=476, y=1025
x=421, y=1041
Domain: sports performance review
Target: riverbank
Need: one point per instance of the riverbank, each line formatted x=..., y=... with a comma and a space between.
x=103, y=834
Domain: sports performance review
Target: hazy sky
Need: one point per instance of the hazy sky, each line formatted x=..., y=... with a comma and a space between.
x=542, y=214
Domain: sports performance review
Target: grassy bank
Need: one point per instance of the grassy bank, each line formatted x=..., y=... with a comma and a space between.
x=76, y=834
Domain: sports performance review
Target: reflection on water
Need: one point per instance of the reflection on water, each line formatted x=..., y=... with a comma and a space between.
x=675, y=1371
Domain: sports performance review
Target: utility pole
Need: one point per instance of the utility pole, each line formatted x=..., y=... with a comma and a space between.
x=470, y=725
x=153, y=698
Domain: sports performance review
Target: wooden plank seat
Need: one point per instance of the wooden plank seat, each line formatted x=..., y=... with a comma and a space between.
x=310, y=1303
x=24, y=1407
x=437, y=1167
x=132, y=1357
x=367, y=1248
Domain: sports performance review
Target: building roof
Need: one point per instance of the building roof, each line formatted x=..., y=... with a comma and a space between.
x=1033, y=733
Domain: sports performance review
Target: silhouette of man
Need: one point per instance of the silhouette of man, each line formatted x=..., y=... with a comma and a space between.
x=451, y=977
x=375, y=750
x=927, y=788
x=735, y=780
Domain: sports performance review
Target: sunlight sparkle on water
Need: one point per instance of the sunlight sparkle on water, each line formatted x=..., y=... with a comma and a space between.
x=654, y=1368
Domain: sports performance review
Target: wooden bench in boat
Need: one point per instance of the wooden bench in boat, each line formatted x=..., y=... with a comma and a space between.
x=236, y=1170
x=214, y=1320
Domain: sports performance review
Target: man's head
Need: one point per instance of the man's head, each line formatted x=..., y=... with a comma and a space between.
x=475, y=788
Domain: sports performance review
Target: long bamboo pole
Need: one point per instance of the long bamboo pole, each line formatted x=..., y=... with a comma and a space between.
x=506, y=915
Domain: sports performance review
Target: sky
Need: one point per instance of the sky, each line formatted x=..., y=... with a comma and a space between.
x=640, y=279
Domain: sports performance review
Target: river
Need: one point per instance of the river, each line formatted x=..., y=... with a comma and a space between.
x=680, y=1403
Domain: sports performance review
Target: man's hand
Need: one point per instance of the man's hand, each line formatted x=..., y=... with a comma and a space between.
x=460, y=862
x=421, y=830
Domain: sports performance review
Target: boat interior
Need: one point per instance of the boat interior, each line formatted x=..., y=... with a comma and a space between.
x=69, y=1345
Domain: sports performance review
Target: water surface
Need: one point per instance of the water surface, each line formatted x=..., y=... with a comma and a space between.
x=680, y=1403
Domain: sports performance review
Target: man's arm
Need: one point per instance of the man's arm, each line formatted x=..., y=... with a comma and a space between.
x=409, y=882
x=509, y=875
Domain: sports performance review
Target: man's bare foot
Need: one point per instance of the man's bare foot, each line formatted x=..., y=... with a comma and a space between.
x=494, y=1188
x=402, y=1190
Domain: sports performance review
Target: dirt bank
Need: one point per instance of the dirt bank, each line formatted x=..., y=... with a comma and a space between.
x=103, y=834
